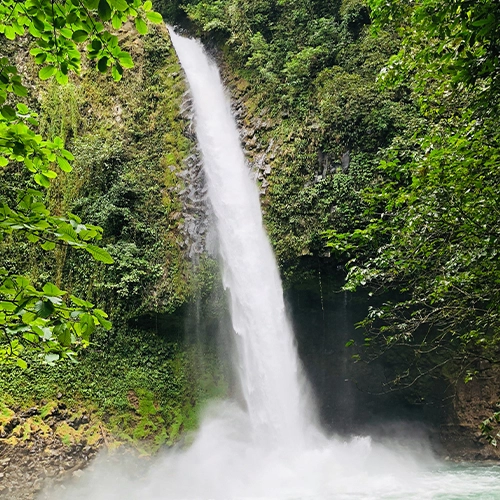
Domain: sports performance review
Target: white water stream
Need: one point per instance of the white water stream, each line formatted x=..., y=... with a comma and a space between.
x=268, y=367
x=272, y=449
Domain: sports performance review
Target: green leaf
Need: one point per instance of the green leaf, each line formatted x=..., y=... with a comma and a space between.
x=64, y=164
x=20, y=90
x=46, y=72
x=38, y=25
x=120, y=5
x=41, y=58
x=21, y=363
x=99, y=254
x=23, y=109
x=42, y=180
x=39, y=208
x=44, y=308
x=50, y=174
x=51, y=358
x=35, y=51
x=48, y=245
x=3, y=161
x=102, y=64
x=64, y=336
x=66, y=33
x=117, y=72
x=116, y=22
x=31, y=337
x=47, y=333
x=32, y=237
x=62, y=78
x=67, y=155
x=125, y=60
x=52, y=290
x=141, y=26
x=8, y=306
x=59, y=22
x=8, y=112
x=91, y=4
x=28, y=318
x=88, y=325
x=10, y=33
x=154, y=17
x=80, y=302
x=79, y=36
x=107, y=325
x=96, y=45
x=100, y=312
x=104, y=10
x=34, y=32
x=67, y=233
x=147, y=5
x=73, y=216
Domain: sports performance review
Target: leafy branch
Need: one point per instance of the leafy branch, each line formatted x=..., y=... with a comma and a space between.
x=50, y=320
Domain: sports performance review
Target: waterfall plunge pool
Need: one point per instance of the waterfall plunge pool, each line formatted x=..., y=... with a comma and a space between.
x=226, y=463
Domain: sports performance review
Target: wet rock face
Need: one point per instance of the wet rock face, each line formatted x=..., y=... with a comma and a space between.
x=474, y=402
x=258, y=152
x=42, y=446
x=196, y=212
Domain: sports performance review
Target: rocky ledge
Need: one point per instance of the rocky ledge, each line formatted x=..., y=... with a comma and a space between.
x=44, y=445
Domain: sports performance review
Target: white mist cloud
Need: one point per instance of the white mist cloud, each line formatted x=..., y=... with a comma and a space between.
x=228, y=462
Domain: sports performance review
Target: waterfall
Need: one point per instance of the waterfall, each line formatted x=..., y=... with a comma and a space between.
x=269, y=450
x=269, y=370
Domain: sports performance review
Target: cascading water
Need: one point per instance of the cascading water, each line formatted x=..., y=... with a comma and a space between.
x=270, y=450
x=269, y=370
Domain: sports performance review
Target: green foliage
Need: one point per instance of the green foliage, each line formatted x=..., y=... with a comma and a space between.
x=44, y=320
x=312, y=68
x=439, y=236
x=490, y=428
x=60, y=113
x=431, y=233
x=125, y=181
x=282, y=44
x=304, y=203
x=355, y=113
x=59, y=27
x=30, y=317
x=457, y=40
x=127, y=144
x=138, y=382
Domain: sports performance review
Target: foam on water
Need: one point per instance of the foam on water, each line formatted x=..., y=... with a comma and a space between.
x=272, y=448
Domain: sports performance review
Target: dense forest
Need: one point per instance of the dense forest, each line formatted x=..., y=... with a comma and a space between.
x=372, y=128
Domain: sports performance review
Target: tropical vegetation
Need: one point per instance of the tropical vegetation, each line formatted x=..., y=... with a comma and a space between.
x=50, y=319
x=377, y=122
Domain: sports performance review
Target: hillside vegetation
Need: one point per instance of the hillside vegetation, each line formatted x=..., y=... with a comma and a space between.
x=140, y=380
x=373, y=126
